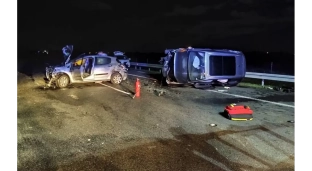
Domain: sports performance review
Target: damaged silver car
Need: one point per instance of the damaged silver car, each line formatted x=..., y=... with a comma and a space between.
x=203, y=67
x=85, y=68
x=122, y=58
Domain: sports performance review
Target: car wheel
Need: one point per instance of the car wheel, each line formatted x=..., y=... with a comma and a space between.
x=163, y=81
x=62, y=81
x=116, y=78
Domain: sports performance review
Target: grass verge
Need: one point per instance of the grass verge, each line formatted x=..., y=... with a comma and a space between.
x=256, y=83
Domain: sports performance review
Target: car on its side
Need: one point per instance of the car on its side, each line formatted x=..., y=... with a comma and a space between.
x=86, y=68
x=203, y=67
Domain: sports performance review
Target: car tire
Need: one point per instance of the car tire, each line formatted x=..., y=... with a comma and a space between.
x=163, y=81
x=235, y=83
x=116, y=78
x=62, y=81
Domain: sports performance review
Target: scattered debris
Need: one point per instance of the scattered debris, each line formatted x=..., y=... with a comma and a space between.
x=73, y=96
x=150, y=147
x=212, y=125
x=227, y=87
x=89, y=139
x=291, y=121
x=159, y=92
x=284, y=89
x=222, y=90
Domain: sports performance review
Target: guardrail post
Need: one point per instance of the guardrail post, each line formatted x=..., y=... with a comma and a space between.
x=135, y=67
x=149, y=69
x=262, y=83
x=139, y=68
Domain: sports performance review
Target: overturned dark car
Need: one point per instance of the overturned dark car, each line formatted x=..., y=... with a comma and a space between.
x=203, y=67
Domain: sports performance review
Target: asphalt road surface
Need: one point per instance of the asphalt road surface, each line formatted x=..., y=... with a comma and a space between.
x=96, y=127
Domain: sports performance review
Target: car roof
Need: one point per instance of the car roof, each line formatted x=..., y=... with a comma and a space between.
x=205, y=50
x=216, y=50
x=90, y=55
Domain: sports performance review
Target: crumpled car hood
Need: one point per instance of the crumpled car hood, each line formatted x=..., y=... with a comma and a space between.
x=67, y=52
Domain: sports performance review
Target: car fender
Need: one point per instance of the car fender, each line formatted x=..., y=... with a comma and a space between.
x=57, y=75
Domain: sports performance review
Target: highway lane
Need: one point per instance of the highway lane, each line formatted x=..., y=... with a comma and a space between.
x=263, y=95
x=91, y=127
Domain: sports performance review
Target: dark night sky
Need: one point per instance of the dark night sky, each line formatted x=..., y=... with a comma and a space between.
x=265, y=25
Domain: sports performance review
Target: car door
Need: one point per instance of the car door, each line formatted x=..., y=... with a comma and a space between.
x=67, y=52
x=87, y=68
x=102, y=68
x=75, y=69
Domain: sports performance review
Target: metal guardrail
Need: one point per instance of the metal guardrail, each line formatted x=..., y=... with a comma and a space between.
x=146, y=65
x=275, y=77
x=256, y=75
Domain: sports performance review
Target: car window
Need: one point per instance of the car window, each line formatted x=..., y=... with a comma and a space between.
x=121, y=57
x=102, y=61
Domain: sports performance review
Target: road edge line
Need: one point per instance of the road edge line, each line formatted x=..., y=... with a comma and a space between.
x=251, y=98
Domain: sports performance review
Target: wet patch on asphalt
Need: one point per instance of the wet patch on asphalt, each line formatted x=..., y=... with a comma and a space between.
x=29, y=115
x=67, y=99
x=110, y=110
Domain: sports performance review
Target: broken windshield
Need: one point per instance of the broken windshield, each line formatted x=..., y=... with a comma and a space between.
x=196, y=65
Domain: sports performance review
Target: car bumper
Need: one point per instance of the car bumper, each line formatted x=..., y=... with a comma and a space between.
x=125, y=76
x=48, y=73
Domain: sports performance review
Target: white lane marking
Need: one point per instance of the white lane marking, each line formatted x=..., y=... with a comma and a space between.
x=251, y=98
x=115, y=89
x=142, y=77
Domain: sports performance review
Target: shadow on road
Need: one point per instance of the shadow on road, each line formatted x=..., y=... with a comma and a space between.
x=224, y=114
x=187, y=152
x=184, y=152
